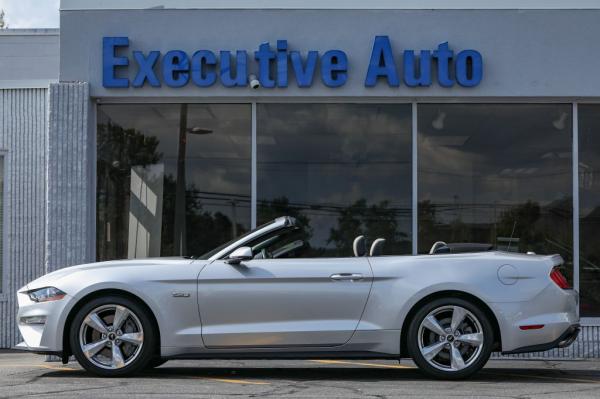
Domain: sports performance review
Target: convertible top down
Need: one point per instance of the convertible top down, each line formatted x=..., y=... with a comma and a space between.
x=255, y=298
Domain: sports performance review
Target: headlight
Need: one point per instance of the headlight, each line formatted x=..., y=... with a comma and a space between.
x=46, y=294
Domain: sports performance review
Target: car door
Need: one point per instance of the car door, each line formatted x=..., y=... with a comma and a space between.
x=282, y=302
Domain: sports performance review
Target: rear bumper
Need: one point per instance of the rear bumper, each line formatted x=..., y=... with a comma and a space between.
x=553, y=308
x=566, y=339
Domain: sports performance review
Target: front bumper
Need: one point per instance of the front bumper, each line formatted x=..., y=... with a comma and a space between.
x=22, y=346
x=566, y=339
x=47, y=337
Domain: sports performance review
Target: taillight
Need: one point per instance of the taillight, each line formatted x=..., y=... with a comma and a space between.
x=559, y=279
x=532, y=327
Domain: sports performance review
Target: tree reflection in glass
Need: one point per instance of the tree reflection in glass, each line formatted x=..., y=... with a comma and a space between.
x=164, y=186
x=343, y=169
x=496, y=173
x=589, y=209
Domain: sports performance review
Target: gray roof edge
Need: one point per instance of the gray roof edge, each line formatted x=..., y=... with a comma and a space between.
x=72, y=5
x=30, y=32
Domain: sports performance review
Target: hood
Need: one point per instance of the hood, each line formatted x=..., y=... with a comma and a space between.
x=50, y=278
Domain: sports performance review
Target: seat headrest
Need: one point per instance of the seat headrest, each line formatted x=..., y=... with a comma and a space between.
x=439, y=247
x=377, y=247
x=359, y=246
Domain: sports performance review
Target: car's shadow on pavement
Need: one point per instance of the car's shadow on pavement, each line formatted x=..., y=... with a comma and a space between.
x=505, y=375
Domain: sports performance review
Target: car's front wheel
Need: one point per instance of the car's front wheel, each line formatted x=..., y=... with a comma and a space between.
x=450, y=338
x=113, y=336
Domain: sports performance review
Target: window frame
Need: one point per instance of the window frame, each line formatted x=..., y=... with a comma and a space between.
x=585, y=321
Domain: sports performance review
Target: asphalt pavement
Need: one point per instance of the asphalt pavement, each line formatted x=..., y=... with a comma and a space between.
x=24, y=375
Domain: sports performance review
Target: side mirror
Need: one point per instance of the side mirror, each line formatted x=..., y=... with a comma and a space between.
x=239, y=255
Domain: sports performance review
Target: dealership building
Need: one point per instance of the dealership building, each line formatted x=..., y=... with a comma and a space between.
x=167, y=127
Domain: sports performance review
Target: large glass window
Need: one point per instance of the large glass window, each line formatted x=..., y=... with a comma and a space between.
x=496, y=173
x=173, y=179
x=342, y=170
x=589, y=209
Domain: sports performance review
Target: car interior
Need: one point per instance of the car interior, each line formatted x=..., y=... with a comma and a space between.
x=359, y=246
x=291, y=243
x=440, y=247
x=285, y=243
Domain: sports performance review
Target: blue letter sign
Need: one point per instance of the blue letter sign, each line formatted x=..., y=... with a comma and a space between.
x=110, y=61
x=462, y=68
x=146, y=71
x=273, y=65
x=382, y=63
x=333, y=68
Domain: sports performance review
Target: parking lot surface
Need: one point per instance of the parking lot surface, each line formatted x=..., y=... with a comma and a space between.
x=24, y=375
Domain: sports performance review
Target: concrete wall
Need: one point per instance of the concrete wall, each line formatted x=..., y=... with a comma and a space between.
x=23, y=141
x=28, y=57
x=69, y=227
x=526, y=53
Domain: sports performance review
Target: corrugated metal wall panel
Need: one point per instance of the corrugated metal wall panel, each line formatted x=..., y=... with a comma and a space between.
x=69, y=194
x=23, y=127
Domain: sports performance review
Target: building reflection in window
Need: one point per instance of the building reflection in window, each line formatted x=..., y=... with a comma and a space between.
x=342, y=170
x=589, y=209
x=496, y=173
x=172, y=179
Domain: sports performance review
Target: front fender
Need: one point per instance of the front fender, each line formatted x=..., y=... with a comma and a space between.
x=101, y=286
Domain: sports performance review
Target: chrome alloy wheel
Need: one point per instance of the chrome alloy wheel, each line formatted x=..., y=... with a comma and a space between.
x=111, y=336
x=450, y=338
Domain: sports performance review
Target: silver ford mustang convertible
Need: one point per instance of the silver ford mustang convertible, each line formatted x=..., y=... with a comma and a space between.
x=252, y=298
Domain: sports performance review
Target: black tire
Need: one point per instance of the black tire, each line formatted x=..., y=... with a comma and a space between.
x=142, y=358
x=155, y=362
x=433, y=371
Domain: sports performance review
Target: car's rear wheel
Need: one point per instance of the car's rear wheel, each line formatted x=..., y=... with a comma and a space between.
x=113, y=336
x=450, y=338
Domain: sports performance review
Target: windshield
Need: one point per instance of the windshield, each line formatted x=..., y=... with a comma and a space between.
x=222, y=246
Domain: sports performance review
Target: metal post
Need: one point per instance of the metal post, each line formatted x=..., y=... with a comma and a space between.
x=415, y=193
x=253, y=172
x=575, y=197
x=179, y=228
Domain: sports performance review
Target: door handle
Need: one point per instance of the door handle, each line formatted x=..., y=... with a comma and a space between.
x=346, y=277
